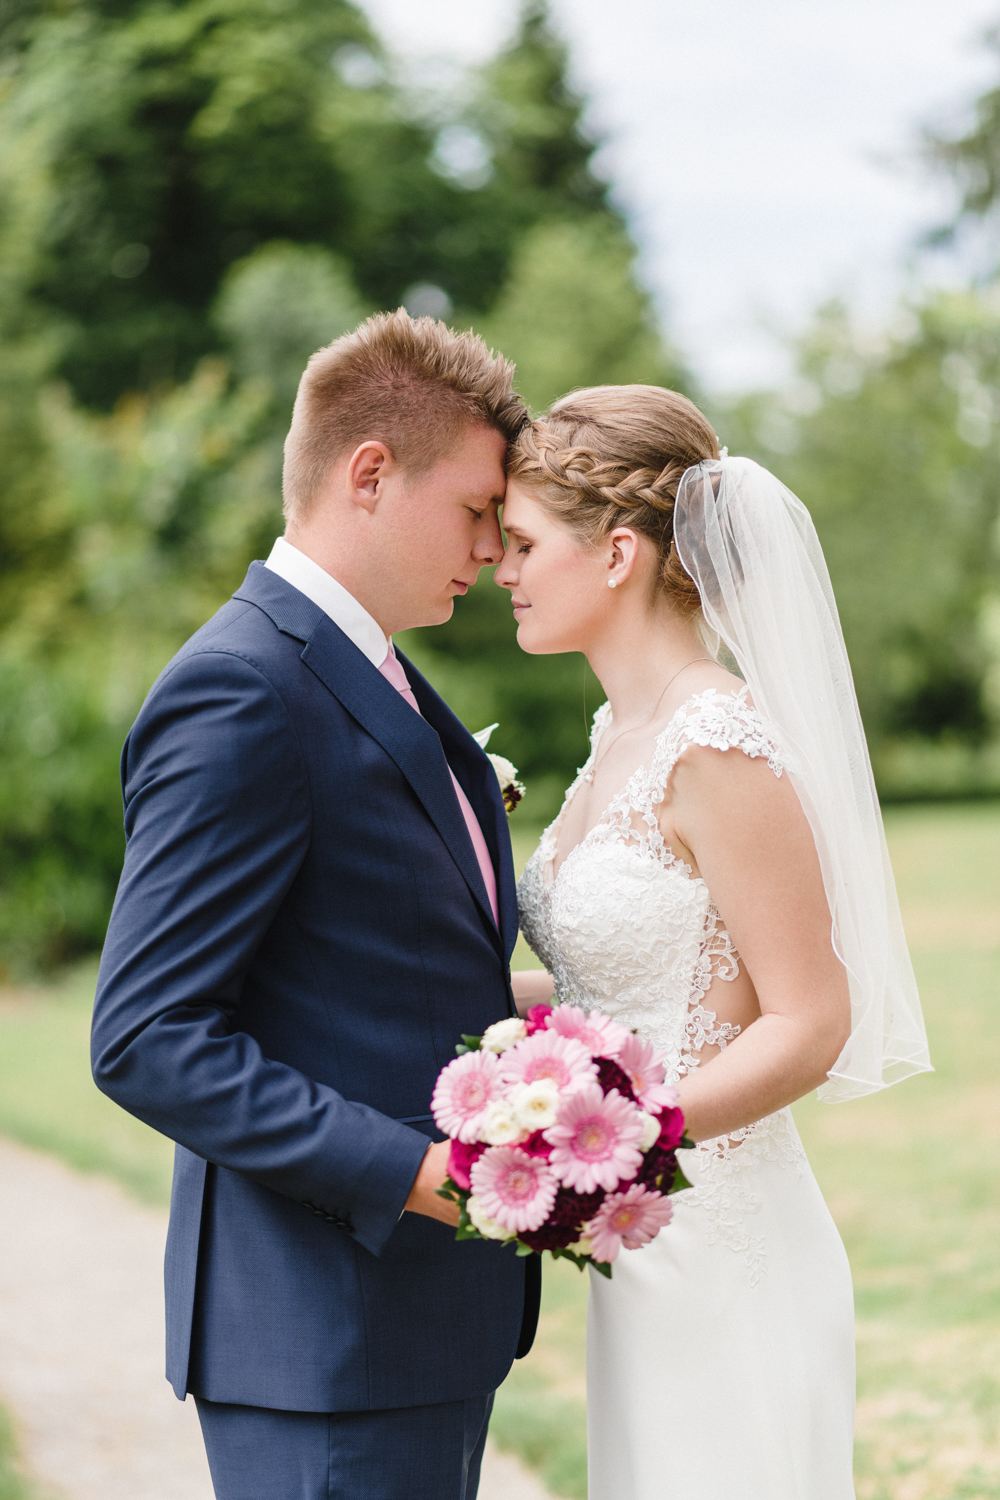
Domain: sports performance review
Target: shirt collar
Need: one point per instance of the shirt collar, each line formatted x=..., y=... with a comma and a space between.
x=331, y=597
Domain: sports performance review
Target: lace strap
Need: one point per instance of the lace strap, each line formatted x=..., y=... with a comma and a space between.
x=721, y=721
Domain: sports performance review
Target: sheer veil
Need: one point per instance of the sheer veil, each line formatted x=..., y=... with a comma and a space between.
x=751, y=548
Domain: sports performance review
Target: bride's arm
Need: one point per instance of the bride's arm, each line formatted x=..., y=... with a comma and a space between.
x=531, y=987
x=755, y=850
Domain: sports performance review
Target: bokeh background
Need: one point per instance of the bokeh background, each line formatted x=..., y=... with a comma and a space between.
x=790, y=212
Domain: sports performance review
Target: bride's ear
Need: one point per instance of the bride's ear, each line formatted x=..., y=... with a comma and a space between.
x=622, y=555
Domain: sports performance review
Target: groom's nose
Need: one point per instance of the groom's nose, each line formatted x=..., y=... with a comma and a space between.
x=489, y=543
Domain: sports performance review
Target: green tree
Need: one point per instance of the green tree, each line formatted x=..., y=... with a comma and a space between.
x=160, y=505
x=122, y=531
x=573, y=314
x=895, y=448
x=150, y=146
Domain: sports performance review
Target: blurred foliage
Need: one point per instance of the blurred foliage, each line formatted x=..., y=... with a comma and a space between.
x=972, y=158
x=150, y=505
x=894, y=442
x=195, y=196
x=14, y=1485
x=151, y=146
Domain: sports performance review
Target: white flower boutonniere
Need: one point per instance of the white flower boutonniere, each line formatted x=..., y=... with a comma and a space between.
x=511, y=789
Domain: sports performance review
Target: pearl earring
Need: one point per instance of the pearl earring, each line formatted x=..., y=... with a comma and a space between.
x=612, y=583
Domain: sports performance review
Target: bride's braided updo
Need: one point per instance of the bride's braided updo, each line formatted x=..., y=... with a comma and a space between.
x=612, y=456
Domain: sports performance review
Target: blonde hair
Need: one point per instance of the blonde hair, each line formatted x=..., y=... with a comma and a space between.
x=613, y=455
x=411, y=383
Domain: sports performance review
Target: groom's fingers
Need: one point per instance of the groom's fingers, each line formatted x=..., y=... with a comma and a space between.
x=423, y=1197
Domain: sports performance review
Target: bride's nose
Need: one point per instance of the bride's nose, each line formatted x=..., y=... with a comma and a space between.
x=505, y=576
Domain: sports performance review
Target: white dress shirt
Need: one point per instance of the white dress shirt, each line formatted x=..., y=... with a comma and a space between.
x=331, y=597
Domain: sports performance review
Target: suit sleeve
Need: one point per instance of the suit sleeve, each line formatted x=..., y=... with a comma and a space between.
x=217, y=818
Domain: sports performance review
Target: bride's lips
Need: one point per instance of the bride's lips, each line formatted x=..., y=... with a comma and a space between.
x=519, y=607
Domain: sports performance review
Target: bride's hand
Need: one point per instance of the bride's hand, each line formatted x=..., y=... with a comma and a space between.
x=531, y=987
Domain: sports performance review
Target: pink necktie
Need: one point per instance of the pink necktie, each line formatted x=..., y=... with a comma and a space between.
x=392, y=671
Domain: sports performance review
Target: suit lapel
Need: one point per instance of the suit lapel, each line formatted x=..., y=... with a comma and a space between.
x=417, y=745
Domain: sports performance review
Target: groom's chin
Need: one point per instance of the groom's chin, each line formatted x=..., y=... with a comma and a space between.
x=438, y=613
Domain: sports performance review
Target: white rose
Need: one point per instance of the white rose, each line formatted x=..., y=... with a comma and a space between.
x=535, y=1104
x=500, y=1125
x=650, y=1131
x=505, y=769
x=482, y=1221
x=503, y=1034
x=583, y=1246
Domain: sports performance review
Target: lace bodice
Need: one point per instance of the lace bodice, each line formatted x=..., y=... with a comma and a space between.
x=625, y=926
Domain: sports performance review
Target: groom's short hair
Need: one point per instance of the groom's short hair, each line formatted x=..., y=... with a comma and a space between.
x=411, y=383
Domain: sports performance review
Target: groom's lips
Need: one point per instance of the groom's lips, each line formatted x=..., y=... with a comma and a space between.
x=518, y=605
x=463, y=588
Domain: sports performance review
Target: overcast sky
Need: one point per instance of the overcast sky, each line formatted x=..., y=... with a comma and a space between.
x=763, y=149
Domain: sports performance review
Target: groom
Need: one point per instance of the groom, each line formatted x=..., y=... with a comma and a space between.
x=317, y=899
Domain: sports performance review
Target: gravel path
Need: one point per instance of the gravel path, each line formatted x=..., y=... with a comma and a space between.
x=81, y=1344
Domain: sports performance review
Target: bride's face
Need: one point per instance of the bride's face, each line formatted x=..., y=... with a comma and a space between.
x=558, y=583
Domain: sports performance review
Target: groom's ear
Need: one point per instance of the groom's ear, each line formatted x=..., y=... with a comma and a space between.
x=367, y=470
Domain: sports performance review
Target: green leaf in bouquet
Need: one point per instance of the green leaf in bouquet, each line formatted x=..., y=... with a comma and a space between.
x=686, y=1143
x=582, y=1261
x=679, y=1183
x=524, y=1249
x=604, y=1266
x=468, y=1044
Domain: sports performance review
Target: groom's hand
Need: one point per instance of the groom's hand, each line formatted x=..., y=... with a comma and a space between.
x=423, y=1197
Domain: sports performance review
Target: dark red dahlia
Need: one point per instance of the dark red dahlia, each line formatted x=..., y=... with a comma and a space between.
x=550, y=1237
x=564, y=1225
x=657, y=1170
x=575, y=1208
x=612, y=1076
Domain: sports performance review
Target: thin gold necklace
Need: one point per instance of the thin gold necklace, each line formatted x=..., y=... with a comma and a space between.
x=589, y=776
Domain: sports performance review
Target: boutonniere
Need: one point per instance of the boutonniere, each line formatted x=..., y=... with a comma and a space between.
x=511, y=789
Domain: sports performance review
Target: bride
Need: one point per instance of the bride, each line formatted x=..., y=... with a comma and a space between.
x=717, y=879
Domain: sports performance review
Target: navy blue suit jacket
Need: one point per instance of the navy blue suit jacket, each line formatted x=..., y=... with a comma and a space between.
x=300, y=935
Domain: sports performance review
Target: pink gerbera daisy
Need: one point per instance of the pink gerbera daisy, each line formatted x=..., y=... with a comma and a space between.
x=548, y=1055
x=645, y=1068
x=515, y=1189
x=631, y=1218
x=463, y=1091
x=595, y=1140
x=601, y=1036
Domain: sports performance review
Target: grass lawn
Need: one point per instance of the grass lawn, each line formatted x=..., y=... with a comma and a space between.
x=13, y=1484
x=909, y=1174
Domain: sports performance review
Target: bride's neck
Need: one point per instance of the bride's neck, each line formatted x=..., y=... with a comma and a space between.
x=636, y=658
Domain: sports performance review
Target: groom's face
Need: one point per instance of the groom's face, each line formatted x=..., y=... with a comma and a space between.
x=440, y=528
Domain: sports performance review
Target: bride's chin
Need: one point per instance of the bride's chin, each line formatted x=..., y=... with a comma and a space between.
x=535, y=647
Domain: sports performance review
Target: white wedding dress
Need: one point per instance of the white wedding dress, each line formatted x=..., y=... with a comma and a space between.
x=720, y=1358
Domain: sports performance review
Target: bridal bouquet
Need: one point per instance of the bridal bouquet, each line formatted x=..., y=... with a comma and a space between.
x=563, y=1136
